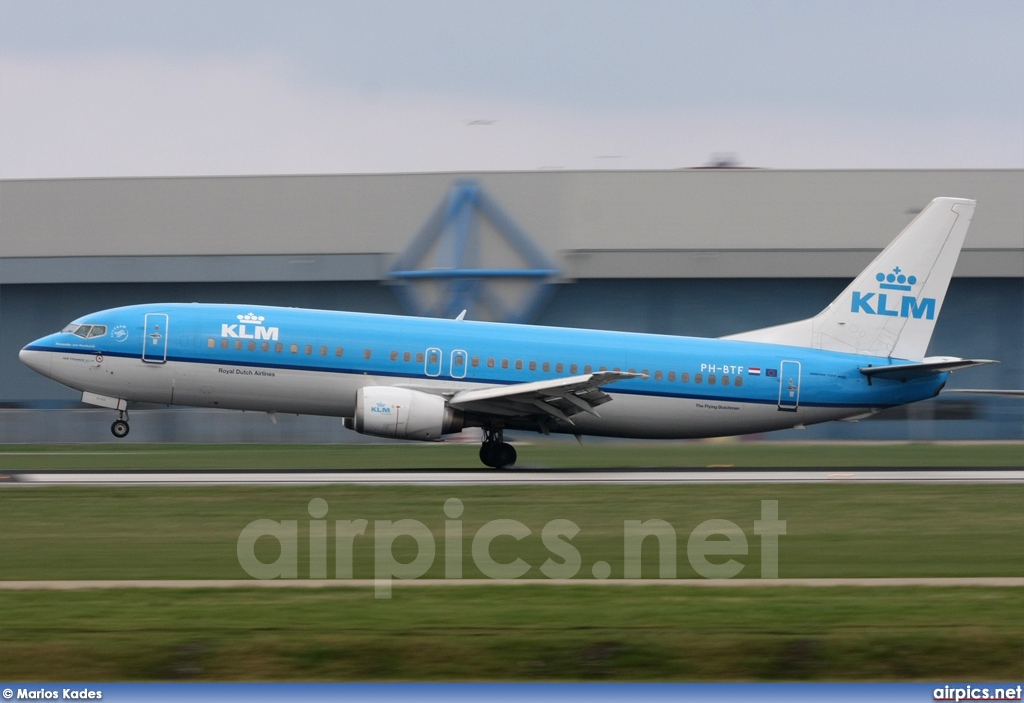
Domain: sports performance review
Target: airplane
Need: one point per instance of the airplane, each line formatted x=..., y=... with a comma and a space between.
x=423, y=378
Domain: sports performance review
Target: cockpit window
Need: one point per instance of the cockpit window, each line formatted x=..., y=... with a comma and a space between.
x=85, y=331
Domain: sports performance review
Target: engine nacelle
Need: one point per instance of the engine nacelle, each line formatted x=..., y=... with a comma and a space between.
x=402, y=413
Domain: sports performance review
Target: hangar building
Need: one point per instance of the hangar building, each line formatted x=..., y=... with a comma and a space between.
x=703, y=252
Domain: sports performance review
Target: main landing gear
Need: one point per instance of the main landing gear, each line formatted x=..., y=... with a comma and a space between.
x=495, y=452
x=120, y=427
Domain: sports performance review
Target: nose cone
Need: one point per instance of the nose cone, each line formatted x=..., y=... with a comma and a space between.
x=38, y=361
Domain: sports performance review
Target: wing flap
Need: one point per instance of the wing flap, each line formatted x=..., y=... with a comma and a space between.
x=557, y=397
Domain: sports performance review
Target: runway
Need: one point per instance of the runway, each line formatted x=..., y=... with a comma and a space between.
x=624, y=476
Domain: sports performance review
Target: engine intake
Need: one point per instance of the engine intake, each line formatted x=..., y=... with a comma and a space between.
x=402, y=413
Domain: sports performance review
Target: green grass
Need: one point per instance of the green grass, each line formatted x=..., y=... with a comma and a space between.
x=833, y=530
x=516, y=633
x=553, y=454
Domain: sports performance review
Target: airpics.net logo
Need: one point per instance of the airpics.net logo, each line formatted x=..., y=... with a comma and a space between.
x=711, y=547
x=906, y=306
x=250, y=321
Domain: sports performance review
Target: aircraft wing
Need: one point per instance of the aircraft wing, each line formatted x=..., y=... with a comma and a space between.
x=903, y=372
x=557, y=397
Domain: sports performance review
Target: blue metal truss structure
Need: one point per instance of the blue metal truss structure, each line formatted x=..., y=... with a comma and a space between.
x=452, y=233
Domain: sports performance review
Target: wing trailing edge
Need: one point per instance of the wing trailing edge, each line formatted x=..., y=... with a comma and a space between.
x=557, y=397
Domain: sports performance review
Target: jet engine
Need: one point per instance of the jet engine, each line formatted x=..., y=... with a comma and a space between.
x=402, y=413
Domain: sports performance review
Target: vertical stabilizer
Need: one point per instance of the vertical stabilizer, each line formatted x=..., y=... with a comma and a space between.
x=890, y=309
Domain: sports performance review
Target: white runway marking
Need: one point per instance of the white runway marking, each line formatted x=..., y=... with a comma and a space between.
x=944, y=582
x=517, y=477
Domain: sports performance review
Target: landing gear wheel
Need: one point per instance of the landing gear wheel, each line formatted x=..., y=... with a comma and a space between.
x=487, y=454
x=504, y=456
x=119, y=429
x=495, y=451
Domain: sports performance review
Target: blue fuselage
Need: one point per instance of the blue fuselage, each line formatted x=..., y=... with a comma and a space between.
x=313, y=361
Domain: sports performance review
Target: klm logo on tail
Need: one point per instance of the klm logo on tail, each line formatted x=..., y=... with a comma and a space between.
x=883, y=304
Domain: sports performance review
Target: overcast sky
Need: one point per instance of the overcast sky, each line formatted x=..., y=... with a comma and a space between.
x=226, y=87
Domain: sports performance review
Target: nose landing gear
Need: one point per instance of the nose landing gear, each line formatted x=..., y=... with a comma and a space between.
x=120, y=427
x=495, y=452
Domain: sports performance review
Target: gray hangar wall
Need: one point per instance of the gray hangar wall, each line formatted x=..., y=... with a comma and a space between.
x=696, y=252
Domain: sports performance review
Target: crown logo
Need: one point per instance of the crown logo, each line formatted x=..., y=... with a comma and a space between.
x=895, y=280
x=252, y=317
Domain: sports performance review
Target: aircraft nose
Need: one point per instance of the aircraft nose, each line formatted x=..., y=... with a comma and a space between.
x=38, y=361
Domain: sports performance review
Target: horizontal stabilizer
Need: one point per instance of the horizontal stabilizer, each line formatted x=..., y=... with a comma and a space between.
x=1009, y=392
x=932, y=365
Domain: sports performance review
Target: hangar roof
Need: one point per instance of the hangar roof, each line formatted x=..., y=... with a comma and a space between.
x=690, y=223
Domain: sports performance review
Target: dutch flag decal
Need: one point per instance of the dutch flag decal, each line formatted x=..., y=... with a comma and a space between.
x=754, y=370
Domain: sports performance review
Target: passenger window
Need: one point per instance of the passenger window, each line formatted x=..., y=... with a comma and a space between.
x=711, y=379
x=533, y=366
x=294, y=349
x=588, y=369
x=265, y=346
x=616, y=368
x=725, y=380
x=646, y=374
x=684, y=377
x=559, y=367
x=657, y=375
x=573, y=368
x=339, y=351
x=490, y=362
x=367, y=353
x=406, y=356
x=433, y=357
x=224, y=344
x=697, y=378
x=211, y=343
x=632, y=370
x=419, y=357
x=504, y=363
x=252, y=346
x=278, y=347
x=546, y=366
x=308, y=349
x=394, y=355
x=519, y=364
x=474, y=362
x=671, y=375
x=739, y=381
x=603, y=368
x=323, y=351
x=238, y=344
x=459, y=360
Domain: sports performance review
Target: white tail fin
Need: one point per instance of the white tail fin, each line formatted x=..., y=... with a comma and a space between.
x=890, y=309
